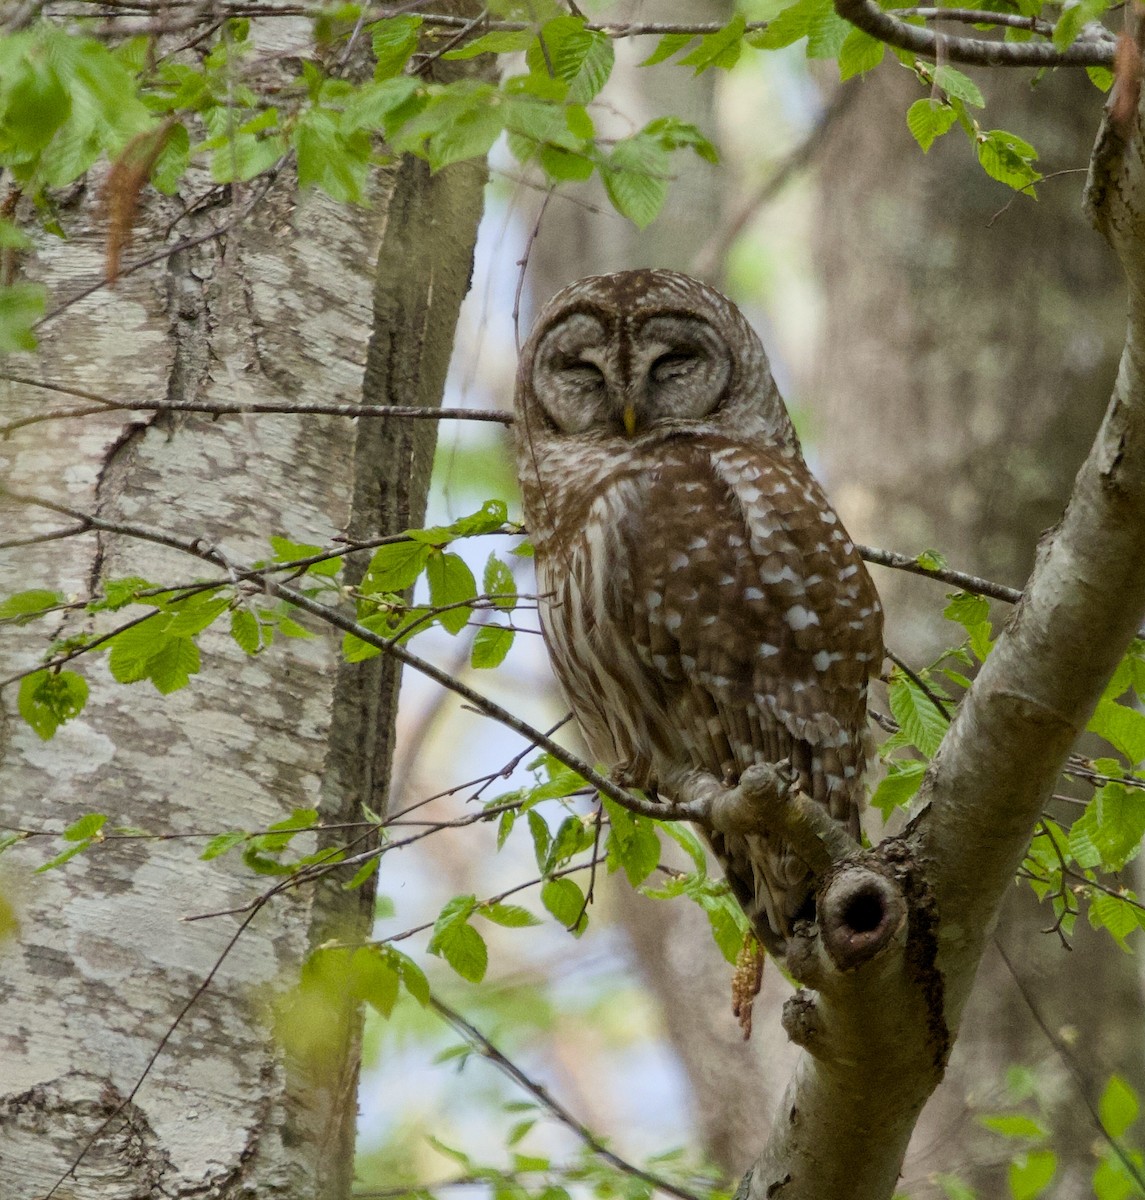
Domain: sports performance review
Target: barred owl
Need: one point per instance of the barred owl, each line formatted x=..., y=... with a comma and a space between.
x=703, y=607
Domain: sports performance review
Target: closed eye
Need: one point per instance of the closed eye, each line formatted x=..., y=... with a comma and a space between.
x=582, y=374
x=674, y=365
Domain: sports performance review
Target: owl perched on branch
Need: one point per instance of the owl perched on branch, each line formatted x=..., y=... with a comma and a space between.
x=703, y=606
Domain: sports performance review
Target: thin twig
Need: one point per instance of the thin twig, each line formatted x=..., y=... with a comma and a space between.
x=506, y=1066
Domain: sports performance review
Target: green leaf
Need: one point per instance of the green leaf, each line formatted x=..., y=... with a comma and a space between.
x=564, y=899
x=931, y=560
x=12, y=237
x=787, y=26
x=580, y=57
x=394, y=567
x=827, y=31
x=21, y=306
x=859, y=53
x=1122, y=727
x=413, y=977
x=916, y=714
x=954, y=83
x=1117, y=916
x=668, y=45
x=511, y=916
x=674, y=134
x=394, y=41
x=542, y=838
x=245, y=631
x=49, y=698
x=28, y=605
x=720, y=49
x=636, y=178
x=194, y=614
x=490, y=646
x=172, y=666
x=337, y=162
x=1015, y=1125
x=1008, y=159
x=463, y=948
x=85, y=828
x=1074, y=18
x=497, y=581
x=1031, y=1173
x=632, y=843
x=1119, y=1107
x=683, y=836
x=1108, y=834
x=954, y=1189
x=489, y=518
x=1100, y=77
x=221, y=843
x=927, y=120
x=450, y=582
x=500, y=41
x=374, y=978
x=898, y=787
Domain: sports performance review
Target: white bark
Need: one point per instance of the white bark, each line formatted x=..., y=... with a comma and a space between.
x=105, y=961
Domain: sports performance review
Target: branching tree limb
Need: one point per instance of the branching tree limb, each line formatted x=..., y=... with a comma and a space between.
x=877, y=1034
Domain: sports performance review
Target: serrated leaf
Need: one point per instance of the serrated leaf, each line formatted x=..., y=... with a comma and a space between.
x=674, y=134
x=511, y=916
x=172, y=666
x=955, y=83
x=245, y=631
x=542, y=838
x=490, y=646
x=64, y=856
x=1119, y=1106
x=394, y=567
x=668, y=45
x=413, y=977
x=1114, y=914
x=464, y=949
x=450, y=582
x=632, y=843
x=30, y=604
x=1122, y=727
x=720, y=49
x=859, y=53
x=192, y=616
x=1009, y=159
x=1108, y=834
x=47, y=699
x=498, y=581
x=394, y=41
x=787, y=26
x=688, y=842
x=898, y=787
x=917, y=715
x=929, y=119
x=826, y=31
x=368, y=869
x=582, y=58
x=565, y=901
x=636, y=177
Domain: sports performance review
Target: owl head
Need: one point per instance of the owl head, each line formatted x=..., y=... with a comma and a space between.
x=642, y=355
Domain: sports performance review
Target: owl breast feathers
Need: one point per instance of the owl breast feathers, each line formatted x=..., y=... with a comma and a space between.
x=703, y=606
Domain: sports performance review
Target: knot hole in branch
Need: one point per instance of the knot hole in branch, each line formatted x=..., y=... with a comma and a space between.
x=860, y=910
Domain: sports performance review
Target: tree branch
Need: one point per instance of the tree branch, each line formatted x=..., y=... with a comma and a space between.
x=867, y=16
x=877, y=1036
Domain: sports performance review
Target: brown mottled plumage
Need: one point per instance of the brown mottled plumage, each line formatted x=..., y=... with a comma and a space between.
x=702, y=604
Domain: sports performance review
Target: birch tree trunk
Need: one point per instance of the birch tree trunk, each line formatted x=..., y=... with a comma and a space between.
x=137, y=1050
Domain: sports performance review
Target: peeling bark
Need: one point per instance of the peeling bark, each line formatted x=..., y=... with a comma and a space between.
x=283, y=306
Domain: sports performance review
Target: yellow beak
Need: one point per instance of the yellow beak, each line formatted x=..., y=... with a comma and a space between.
x=629, y=418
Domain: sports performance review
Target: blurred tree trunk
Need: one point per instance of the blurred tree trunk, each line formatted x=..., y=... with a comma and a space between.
x=306, y=300
x=957, y=317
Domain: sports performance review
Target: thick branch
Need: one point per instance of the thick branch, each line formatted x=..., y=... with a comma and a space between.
x=870, y=18
x=878, y=1036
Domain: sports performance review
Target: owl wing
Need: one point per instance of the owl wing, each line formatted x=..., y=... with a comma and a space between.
x=760, y=628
